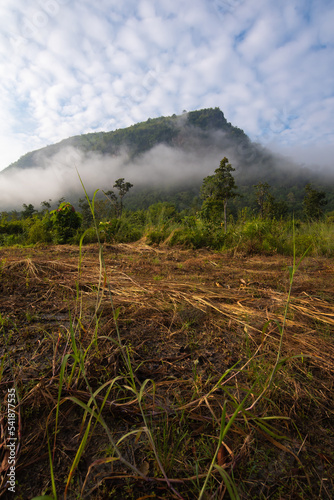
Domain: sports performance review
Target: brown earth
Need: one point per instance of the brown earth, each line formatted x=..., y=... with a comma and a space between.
x=186, y=318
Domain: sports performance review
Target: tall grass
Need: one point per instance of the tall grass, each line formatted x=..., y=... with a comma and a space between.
x=161, y=224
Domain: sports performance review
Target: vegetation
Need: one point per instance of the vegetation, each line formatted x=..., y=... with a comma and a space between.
x=123, y=188
x=218, y=189
x=175, y=348
x=141, y=137
x=64, y=222
x=264, y=227
x=314, y=203
x=145, y=372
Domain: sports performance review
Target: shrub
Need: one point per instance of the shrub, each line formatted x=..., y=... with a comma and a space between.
x=90, y=236
x=188, y=237
x=259, y=236
x=161, y=212
x=65, y=222
x=39, y=231
x=156, y=236
x=13, y=227
x=120, y=231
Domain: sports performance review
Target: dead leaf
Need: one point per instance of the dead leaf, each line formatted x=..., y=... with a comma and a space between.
x=144, y=468
x=222, y=456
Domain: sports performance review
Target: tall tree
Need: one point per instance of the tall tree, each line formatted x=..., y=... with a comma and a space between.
x=263, y=198
x=123, y=188
x=220, y=186
x=114, y=202
x=313, y=203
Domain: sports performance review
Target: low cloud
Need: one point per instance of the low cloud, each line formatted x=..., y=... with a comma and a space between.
x=187, y=163
x=58, y=176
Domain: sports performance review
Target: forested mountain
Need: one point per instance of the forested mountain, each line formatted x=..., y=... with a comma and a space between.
x=174, y=131
x=167, y=158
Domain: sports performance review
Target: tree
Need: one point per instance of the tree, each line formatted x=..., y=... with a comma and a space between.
x=313, y=203
x=113, y=200
x=123, y=188
x=28, y=211
x=87, y=217
x=263, y=197
x=220, y=187
x=46, y=205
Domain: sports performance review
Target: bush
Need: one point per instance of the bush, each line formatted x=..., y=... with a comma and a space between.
x=259, y=236
x=201, y=236
x=65, y=222
x=39, y=231
x=90, y=236
x=161, y=212
x=13, y=227
x=120, y=231
x=156, y=236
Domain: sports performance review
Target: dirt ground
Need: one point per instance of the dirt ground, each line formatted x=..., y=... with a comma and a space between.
x=186, y=318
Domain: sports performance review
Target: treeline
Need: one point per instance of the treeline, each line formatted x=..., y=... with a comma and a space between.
x=266, y=227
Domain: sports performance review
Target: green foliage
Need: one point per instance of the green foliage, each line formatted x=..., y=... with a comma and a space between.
x=220, y=187
x=13, y=227
x=117, y=202
x=263, y=198
x=212, y=210
x=156, y=236
x=89, y=236
x=65, y=222
x=28, y=211
x=258, y=236
x=160, y=213
x=313, y=203
x=161, y=223
x=199, y=234
x=39, y=230
x=120, y=230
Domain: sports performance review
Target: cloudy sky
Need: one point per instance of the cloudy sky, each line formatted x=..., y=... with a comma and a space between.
x=74, y=66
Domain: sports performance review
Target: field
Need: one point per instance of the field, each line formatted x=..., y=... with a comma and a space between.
x=153, y=372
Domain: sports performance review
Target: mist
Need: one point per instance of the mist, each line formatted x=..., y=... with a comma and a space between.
x=59, y=176
x=195, y=156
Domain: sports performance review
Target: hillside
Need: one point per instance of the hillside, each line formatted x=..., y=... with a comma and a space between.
x=174, y=131
x=165, y=158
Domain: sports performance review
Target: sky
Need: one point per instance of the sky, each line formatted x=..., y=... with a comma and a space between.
x=69, y=67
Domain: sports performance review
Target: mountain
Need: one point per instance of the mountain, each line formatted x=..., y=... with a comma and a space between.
x=162, y=155
x=175, y=131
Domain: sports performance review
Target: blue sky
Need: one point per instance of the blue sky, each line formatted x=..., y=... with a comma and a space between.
x=69, y=67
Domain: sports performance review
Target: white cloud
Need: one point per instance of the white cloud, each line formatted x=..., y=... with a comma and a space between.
x=71, y=67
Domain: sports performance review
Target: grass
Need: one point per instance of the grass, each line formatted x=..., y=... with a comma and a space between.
x=188, y=400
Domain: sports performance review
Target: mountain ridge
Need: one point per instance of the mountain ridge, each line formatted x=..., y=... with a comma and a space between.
x=160, y=157
x=140, y=137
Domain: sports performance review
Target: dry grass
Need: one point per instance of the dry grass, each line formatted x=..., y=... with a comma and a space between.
x=186, y=317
